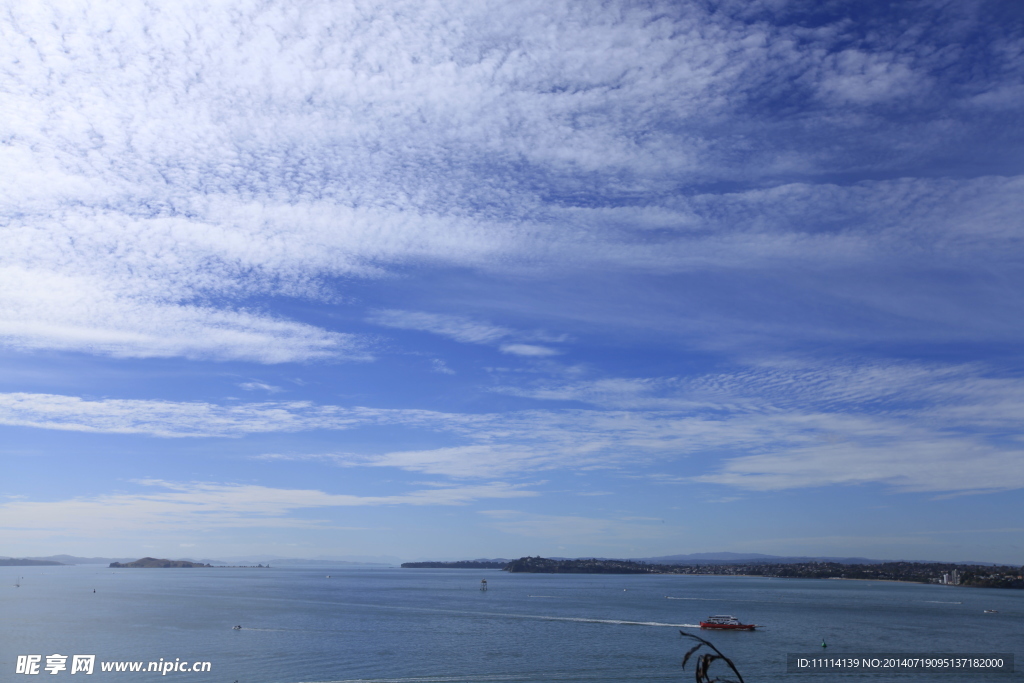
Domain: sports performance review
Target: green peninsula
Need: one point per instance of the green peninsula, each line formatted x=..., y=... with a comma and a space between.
x=461, y=564
x=981, y=576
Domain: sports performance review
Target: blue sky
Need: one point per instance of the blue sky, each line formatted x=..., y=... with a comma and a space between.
x=473, y=279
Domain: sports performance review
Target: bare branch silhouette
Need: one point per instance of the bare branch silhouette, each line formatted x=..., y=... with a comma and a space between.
x=704, y=662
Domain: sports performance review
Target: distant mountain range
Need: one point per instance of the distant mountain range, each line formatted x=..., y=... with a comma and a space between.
x=15, y=562
x=72, y=559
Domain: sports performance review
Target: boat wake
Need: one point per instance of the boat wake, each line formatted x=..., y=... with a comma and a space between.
x=543, y=617
x=250, y=628
x=504, y=615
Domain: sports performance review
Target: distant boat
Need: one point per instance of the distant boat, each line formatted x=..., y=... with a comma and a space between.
x=991, y=611
x=236, y=628
x=726, y=622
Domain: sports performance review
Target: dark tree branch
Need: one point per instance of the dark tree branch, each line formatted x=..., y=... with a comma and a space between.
x=704, y=662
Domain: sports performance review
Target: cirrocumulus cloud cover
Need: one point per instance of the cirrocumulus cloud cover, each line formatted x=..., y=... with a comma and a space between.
x=479, y=279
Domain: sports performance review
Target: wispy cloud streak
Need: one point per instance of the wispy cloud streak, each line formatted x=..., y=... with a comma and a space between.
x=168, y=506
x=466, y=330
x=195, y=419
x=909, y=426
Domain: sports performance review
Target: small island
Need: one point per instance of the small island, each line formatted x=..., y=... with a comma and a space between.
x=152, y=562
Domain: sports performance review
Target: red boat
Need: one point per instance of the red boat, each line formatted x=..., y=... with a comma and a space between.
x=724, y=621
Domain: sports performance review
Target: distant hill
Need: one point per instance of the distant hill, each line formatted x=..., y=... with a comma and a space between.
x=153, y=563
x=27, y=562
x=72, y=559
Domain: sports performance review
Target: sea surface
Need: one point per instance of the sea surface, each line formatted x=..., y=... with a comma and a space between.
x=436, y=626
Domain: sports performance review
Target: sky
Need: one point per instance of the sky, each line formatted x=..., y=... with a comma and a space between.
x=458, y=280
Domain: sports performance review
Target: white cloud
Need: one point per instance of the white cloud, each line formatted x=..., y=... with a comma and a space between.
x=197, y=419
x=528, y=350
x=261, y=386
x=864, y=78
x=938, y=463
x=466, y=330
x=477, y=460
x=912, y=427
x=439, y=366
x=197, y=506
x=455, y=327
x=40, y=309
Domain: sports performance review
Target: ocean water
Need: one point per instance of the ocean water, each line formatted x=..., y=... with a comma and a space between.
x=435, y=626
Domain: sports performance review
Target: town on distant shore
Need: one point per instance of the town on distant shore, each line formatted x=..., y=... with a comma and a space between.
x=917, y=572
